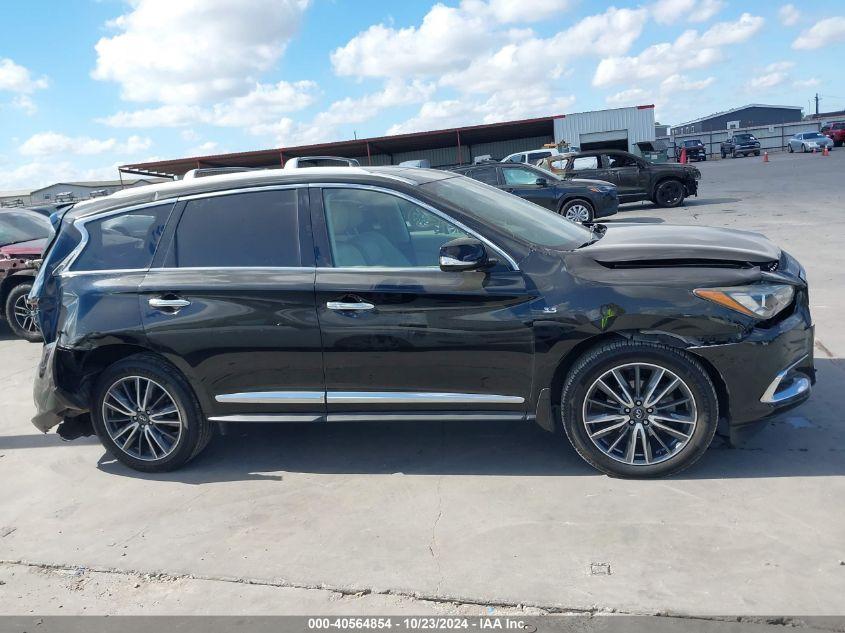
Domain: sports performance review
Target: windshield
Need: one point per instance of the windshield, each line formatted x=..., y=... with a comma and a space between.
x=814, y=135
x=744, y=137
x=18, y=226
x=523, y=220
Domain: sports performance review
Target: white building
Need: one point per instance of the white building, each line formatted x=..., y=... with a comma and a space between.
x=71, y=191
x=620, y=128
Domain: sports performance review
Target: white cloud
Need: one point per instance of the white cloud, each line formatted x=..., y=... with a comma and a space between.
x=519, y=11
x=205, y=149
x=16, y=78
x=773, y=75
x=53, y=143
x=789, y=15
x=670, y=11
x=41, y=173
x=690, y=50
x=25, y=104
x=821, y=34
x=812, y=82
x=161, y=116
x=502, y=106
x=446, y=38
x=195, y=51
x=189, y=135
x=662, y=96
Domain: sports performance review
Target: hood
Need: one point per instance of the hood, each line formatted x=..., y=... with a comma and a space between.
x=32, y=248
x=674, y=168
x=644, y=245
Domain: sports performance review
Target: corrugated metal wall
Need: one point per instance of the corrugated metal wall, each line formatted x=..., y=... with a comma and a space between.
x=639, y=122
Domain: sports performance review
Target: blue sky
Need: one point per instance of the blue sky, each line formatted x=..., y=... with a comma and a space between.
x=88, y=85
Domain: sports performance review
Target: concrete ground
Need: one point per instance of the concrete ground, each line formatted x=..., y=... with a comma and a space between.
x=436, y=518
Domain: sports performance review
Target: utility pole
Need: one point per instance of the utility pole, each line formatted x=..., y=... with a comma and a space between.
x=817, y=104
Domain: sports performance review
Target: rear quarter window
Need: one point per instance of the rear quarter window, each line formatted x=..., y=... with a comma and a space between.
x=125, y=241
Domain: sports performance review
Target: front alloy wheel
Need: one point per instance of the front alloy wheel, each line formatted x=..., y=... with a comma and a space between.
x=578, y=211
x=635, y=409
x=20, y=316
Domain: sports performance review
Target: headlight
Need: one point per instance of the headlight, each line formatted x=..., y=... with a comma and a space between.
x=600, y=188
x=761, y=301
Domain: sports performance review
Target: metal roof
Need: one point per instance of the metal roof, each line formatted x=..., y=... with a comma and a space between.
x=415, y=141
x=745, y=107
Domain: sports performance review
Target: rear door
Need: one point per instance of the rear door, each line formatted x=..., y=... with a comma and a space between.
x=401, y=338
x=230, y=302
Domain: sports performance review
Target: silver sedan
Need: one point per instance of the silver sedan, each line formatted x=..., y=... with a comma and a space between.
x=808, y=141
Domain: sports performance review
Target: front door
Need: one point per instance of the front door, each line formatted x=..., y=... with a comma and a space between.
x=522, y=182
x=401, y=338
x=624, y=171
x=230, y=301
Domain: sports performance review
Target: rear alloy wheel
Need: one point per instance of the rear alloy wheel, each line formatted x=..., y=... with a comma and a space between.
x=578, y=211
x=147, y=416
x=669, y=193
x=639, y=409
x=789, y=148
x=20, y=316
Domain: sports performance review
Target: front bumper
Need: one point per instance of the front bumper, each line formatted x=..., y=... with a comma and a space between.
x=606, y=204
x=54, y=401
x=770, y=371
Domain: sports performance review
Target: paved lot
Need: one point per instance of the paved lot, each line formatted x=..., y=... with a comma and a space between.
x=374, y=517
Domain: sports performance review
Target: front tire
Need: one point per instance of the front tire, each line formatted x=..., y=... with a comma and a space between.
x=789, y=148
x=578, y=211
x=639, y=409
x=669, y=193
x=803, y=148
x=20, y=317
x=147, y=416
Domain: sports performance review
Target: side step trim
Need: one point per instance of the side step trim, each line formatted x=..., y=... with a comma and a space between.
x=265, y=417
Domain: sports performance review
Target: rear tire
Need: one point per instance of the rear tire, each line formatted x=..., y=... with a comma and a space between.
x=789, y=148
x=656, y=452
x=803, y=148
x=167, y=428
x=20, y=318
x=757, y=153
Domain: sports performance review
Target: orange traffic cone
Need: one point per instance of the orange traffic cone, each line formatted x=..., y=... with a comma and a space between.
x=826, y=151
x=765, y=157
x=683, y=159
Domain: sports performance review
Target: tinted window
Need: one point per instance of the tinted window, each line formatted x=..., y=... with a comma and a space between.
x=585, y=162
x=518, y=176
x=125, y=241
x=257, y=229
x=535, y=156
x=372, y=228
x=486, y=175
x=22, y=226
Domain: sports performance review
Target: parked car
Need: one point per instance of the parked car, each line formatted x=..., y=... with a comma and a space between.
x=808, y=141
x=320, y=161
x=835, y=131
x=532, y=157
x=23, y=236
x=409, y=294
x=740, y=144
x=695, y=149
x=577, y=200
x=665, y=184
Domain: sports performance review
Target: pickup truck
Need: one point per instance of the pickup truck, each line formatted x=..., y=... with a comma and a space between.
x=741, y=144
x=835, y=132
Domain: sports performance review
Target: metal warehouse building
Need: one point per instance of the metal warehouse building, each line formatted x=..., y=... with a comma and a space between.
x=619, y=128
x=752, y=115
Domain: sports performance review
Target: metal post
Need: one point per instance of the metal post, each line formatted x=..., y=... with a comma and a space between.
x=281, y=158
x=460, y=157
x=369, y=156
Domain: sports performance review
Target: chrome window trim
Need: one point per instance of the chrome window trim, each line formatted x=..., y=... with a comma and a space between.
x=233, y=268
x=444, y=216
x=80, y=223
x=229, y=192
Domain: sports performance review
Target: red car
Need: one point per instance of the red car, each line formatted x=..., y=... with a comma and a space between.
x=23, y=237
x=835, y=132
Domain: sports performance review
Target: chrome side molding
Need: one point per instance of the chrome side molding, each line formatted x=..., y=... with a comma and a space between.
x=359, y=397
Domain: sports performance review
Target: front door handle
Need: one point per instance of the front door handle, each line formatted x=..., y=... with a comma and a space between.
x=168, y=304
x=349, y=305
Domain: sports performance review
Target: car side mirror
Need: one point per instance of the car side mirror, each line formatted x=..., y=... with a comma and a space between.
x=464, y=253
x=541, y=182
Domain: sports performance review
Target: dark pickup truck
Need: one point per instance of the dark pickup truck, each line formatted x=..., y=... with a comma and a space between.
x=695, y=149
x=740, y=145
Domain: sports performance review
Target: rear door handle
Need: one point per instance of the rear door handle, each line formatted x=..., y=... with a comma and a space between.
x=168, y=304
x=349, y=305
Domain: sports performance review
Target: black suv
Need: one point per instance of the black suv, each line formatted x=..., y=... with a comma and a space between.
x=665, y=184
x=695, y=149
x=577, y=200
x=338, y=295
x=743, y=144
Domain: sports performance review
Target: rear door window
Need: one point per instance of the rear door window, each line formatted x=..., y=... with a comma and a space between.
x=583, y=163
x=486, y=175
x=126, y=241
x=243, y=230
